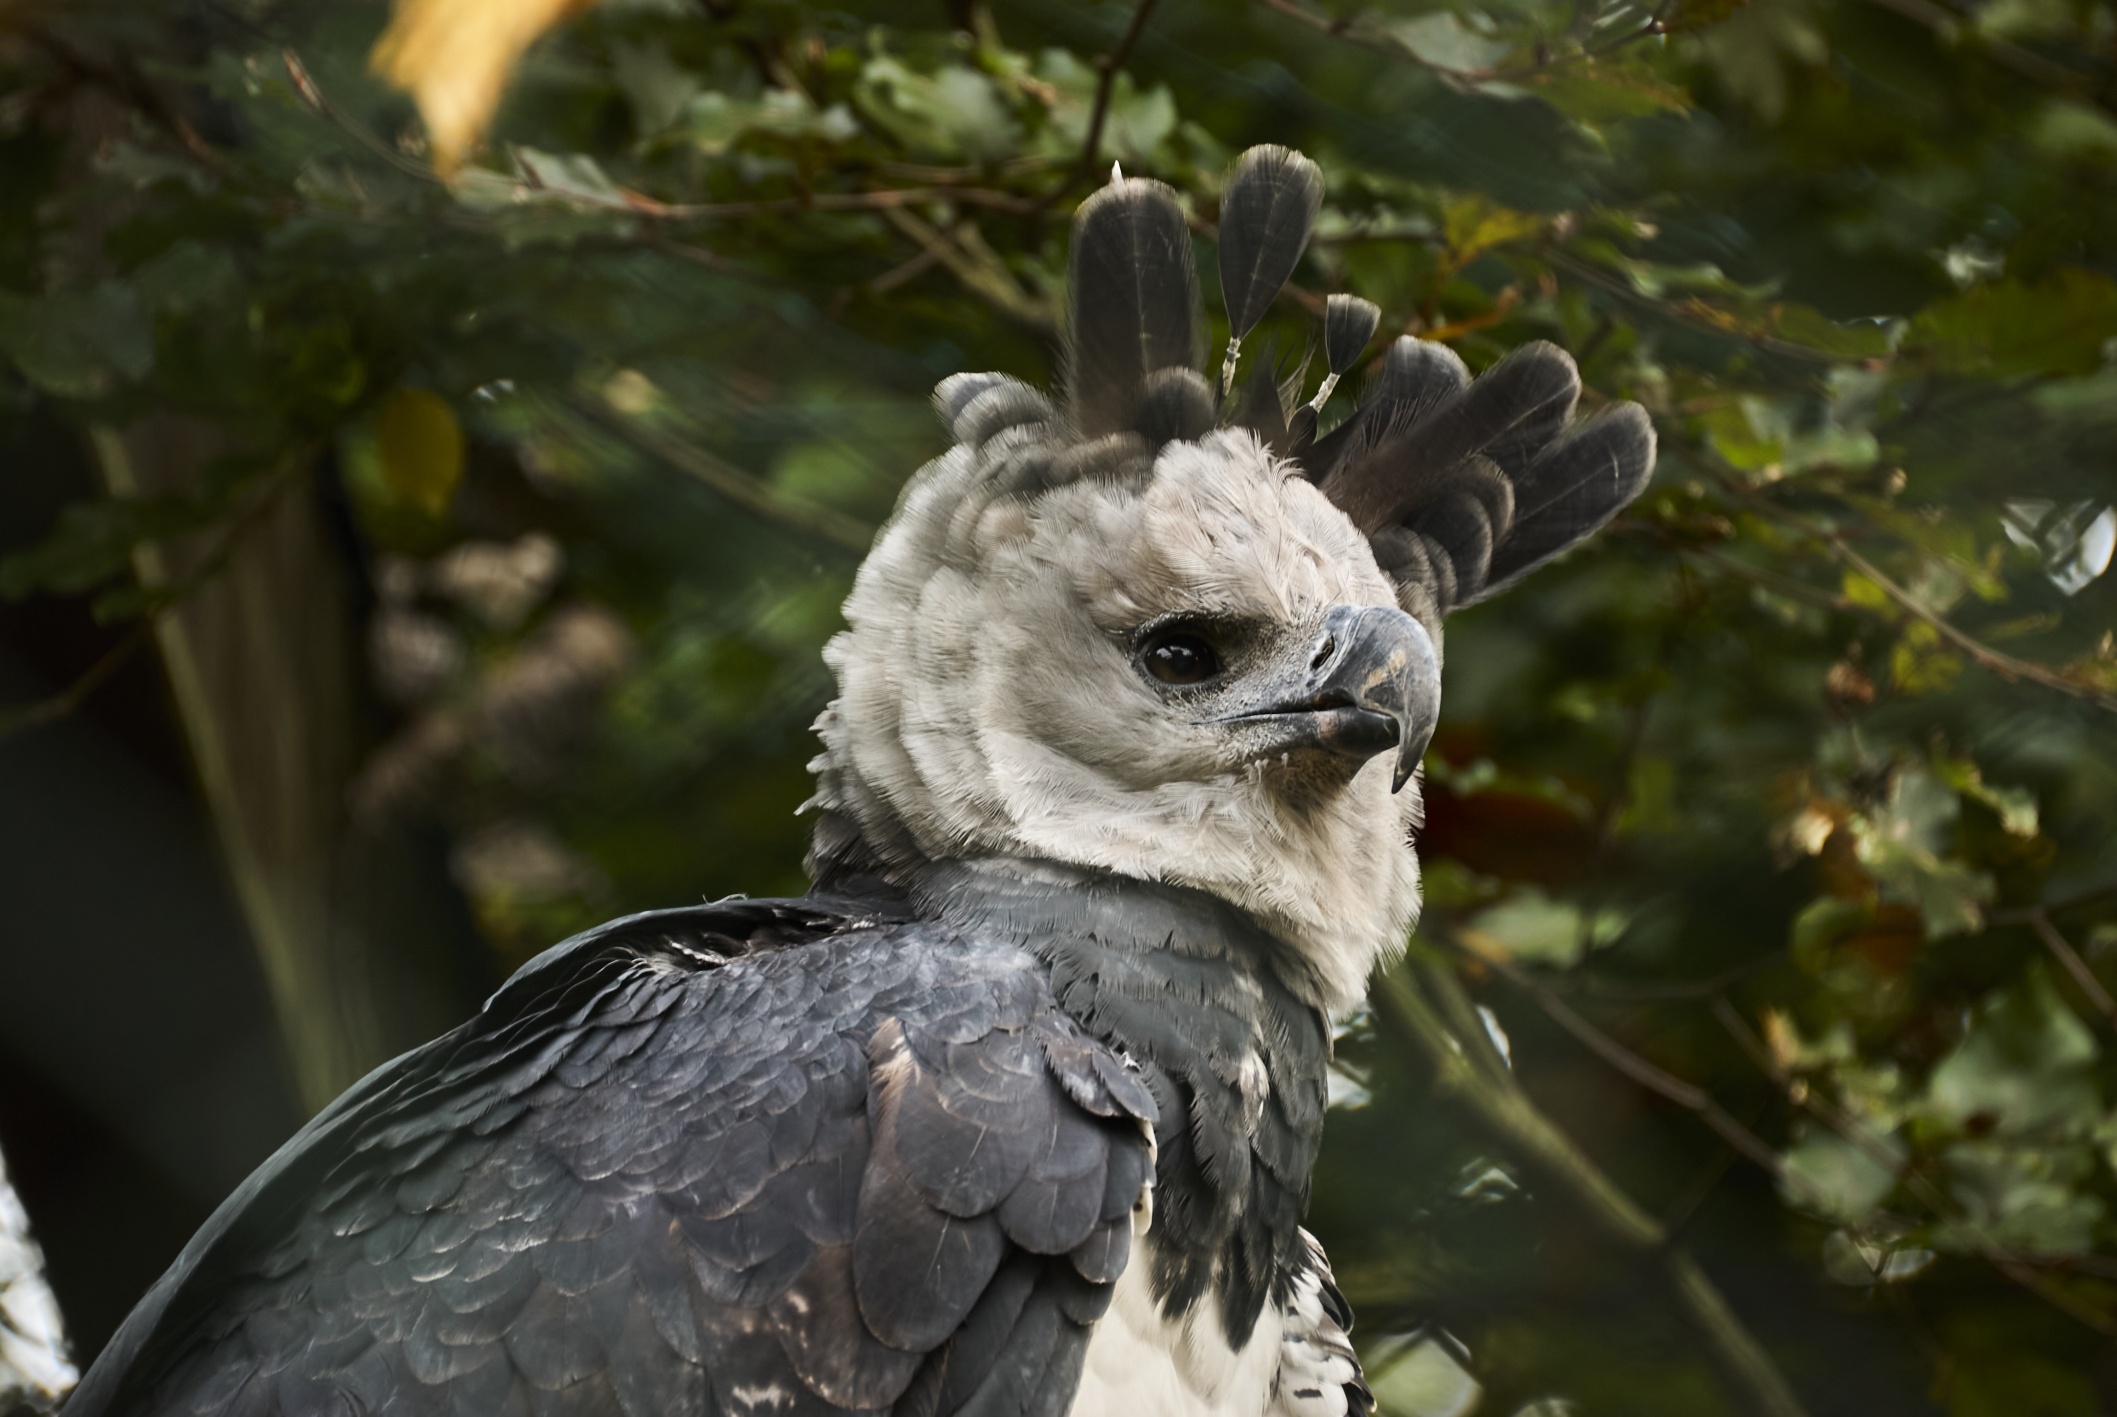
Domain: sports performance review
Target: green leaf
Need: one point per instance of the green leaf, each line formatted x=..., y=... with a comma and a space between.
x=2008, y=329
x=1900, y=842
x=2026, y=1198
x=1825, y=923
x=2024, y=1065
x=1840, y=1178
x=1449, y=41
x=1596, y=90
x=1533, y=927
x=1920, y=663
x=2015, y=806
x=78, y=343
x=957, y=112
x=1474, y=224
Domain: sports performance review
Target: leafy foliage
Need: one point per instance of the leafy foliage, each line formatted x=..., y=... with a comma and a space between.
x=1769, y=842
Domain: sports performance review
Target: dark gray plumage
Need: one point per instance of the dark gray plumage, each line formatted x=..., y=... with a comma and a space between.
x=1132, y=301
x=1267, y=212
x=691, y=1154
x=1348, y=324
x=1467, y=485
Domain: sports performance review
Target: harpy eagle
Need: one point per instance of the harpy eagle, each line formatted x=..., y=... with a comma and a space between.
x=1013, y=1115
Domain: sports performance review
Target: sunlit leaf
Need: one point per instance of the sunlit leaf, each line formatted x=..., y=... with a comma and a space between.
x=454, y=56
x=1843, y=1178
x=2025, y=1064
x=1900, y=843
x=1474, y=224
x=421, y=448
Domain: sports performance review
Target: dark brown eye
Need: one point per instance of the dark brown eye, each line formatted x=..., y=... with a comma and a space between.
x=1180, y=659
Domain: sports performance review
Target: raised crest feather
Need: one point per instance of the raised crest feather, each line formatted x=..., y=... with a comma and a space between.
x=1267, y=212
x=1133, y=294
x=1462, y=485
x=1348, y=324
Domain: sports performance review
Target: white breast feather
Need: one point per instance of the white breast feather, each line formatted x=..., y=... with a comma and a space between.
x=1142, y=1364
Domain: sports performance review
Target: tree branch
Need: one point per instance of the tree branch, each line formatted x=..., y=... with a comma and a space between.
x=1496, y=1101
x=54, y=707
x=732, y=482
x=2069, y=958
x=964, y=252
x=1995, y=661
x=1688, y=1096
x=1107, y=66
x=2016, y=1267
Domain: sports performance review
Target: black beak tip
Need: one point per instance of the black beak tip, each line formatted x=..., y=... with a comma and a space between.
x=1408, y=759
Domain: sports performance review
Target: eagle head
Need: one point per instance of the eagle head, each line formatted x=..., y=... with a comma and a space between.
x=1170, y=632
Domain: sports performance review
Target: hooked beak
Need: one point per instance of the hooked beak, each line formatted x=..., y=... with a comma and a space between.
x=1372, y=683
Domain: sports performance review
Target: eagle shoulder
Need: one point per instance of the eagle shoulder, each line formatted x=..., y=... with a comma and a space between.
x=787, y=1158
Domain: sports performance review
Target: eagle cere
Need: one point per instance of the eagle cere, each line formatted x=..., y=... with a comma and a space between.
x=1014, y=1113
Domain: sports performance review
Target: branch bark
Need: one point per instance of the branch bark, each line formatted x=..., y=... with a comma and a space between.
x=1466, y=1071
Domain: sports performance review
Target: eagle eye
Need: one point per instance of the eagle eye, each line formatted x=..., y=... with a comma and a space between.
x=1179, y=658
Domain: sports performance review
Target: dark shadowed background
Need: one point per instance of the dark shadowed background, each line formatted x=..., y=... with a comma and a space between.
x=398, y=574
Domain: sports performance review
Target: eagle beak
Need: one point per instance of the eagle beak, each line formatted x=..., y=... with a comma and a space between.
x=1372, y=682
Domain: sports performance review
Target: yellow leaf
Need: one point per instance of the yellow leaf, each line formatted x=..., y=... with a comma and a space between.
x=453, y=57
x=421, y=447
x=1475, y=223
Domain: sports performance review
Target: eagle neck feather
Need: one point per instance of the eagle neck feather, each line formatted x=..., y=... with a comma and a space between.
x=1224, y=1021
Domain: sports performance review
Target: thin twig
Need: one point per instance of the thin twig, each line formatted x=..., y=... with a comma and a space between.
x=929, y=255
x=1773, y=582
x=1107, y=66
x=1688, y=1096
x=2025, y=62
x=732, y=482
x=1495, y=1099
x=68, y=700
x=2070, y=959
x=964, y=252
x=311, y=93
x=1996, y=661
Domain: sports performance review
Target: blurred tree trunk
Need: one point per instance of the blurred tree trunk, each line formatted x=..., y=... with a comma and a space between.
x=365, y=948
x=365, y=945
x=260, y=660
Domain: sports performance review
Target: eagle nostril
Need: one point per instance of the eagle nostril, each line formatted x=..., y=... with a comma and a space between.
x=1324, y=651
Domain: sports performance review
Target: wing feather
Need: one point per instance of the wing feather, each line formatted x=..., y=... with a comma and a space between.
x=763, y=1157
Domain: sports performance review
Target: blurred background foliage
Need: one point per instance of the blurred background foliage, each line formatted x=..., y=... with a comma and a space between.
x=456, y=550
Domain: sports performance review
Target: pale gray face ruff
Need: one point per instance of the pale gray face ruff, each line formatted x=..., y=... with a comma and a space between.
x=1014, y=1115
x=1160, y=630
